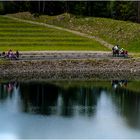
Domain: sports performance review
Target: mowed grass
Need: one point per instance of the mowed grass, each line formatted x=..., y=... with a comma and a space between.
x=21, y=36
x=124, y=33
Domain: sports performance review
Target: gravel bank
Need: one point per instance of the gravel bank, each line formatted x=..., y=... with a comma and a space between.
x=95, y=69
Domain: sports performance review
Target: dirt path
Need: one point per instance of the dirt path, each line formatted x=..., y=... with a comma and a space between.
x=67, y=55
x=104, y=43
x=60, y=55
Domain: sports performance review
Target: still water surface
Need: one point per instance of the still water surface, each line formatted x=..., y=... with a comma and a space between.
x=69, y=110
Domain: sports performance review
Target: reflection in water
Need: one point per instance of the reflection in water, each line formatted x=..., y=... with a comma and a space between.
x=6, y=89
x=119, y=83
x=128, y=103
x=105, y=107
x=51, y=99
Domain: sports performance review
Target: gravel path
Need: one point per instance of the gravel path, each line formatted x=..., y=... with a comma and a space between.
x=65, y=55
x=101, y=41
x=61, y=55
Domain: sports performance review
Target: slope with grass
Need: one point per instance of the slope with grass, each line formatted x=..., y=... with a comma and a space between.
x=17, y=35
x=126, y=34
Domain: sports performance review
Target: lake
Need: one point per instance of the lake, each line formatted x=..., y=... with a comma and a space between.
x=69, y=109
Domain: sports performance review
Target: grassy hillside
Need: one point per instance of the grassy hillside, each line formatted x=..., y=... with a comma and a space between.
x=126, y=34
x=23, y=36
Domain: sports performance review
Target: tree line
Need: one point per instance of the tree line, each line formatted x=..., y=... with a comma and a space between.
x=122, y=10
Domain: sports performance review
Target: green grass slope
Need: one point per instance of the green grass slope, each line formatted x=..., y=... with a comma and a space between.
x=126, y=34
x=23, y=36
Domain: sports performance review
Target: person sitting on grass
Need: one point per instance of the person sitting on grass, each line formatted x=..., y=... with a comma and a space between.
x=17, y=54
x=10, y=54
x=3, y=54
x=122, y=51
x=116, y=49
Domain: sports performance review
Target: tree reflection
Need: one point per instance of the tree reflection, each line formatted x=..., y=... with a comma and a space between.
x=39, y=98
x=51, y=99
x=6, y=89
x=128, y=103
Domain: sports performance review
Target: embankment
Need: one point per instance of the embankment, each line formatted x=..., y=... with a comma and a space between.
x=95, y=69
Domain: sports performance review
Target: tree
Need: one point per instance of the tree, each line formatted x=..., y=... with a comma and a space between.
x=1, y=7
x=138, y=11
x=122, y=10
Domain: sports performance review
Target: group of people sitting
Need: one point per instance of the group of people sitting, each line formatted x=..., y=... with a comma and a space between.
x=10, y=54
x=117, y=51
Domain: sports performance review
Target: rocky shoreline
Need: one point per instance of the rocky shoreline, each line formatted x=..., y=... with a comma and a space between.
x=86, y=69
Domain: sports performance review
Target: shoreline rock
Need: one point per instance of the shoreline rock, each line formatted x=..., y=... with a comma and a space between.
x=106, y=69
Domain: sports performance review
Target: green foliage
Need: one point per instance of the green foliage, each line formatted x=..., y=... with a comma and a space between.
x=77, y=8
x=124, y=10
x=1, y=8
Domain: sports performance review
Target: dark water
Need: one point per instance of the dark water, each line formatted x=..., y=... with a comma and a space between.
x=69, y=110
